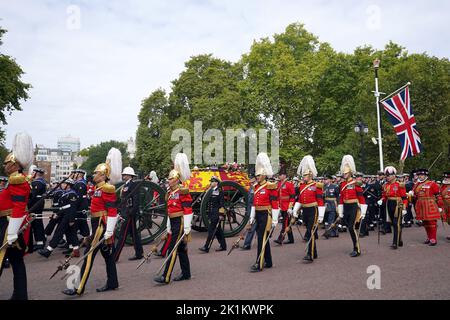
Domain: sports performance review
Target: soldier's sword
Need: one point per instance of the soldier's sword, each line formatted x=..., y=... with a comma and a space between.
x=313, y=231
x=264, y=244
x=171, y=252
x=153, y=250
x=241, y=237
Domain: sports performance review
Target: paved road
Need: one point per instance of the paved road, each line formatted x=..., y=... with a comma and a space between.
x=415, y=271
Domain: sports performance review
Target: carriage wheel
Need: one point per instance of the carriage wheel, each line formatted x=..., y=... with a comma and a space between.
x=197, y=220
x=236, y=198
x=152, y=216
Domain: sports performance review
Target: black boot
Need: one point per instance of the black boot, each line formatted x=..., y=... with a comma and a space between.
x=354, y=254
x=308, y=259
x=105, y=288
x=204, y=249
x=45, y=252
x=159, y=279
x=181, y=277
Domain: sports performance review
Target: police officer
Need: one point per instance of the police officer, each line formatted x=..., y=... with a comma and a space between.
x=129, y=210
x=331, y=195
x=68, y=203
x=216, y=212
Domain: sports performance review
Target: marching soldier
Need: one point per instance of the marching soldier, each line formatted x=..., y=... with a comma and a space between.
x=310, y=199
x=13, y=214
x=179, y=208
x=395, y=202
x=286, y=194
x=264, y=211
x=444, y=202
x=129, y=210
x=38, y=189
x=103, y=220
x=331, y=193
x=216, y=212
x=81, y=189
x=55, y=218
x=409, y=218
x=352, y=205
x=68, y=203
x=425, y=192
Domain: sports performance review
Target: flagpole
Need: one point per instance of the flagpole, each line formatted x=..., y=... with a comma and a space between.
x=395, y=92
x=376, y=65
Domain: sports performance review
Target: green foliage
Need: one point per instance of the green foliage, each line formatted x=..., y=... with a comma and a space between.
x=97, y=154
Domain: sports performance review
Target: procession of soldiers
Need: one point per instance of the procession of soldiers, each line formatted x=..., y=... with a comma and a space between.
x=85, y=215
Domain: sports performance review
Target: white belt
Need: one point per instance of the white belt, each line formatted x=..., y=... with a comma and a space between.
x=67, y=206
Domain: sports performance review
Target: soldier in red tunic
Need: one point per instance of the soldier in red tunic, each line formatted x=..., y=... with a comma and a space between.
x=103, y=222
x=425, y=193
x=352, y=205
x=444, y=202
x=310, y=199
x=286, y=196
x=179, y=208
x=13, y=213
x=264, y=211
x=395, y=202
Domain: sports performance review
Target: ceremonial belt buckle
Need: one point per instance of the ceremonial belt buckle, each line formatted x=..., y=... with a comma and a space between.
x=5, y=213
x=263, y=208
x=176, y=214
x=351, y=201
x=310, y=205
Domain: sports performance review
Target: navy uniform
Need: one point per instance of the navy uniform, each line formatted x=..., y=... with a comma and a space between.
x=56, y=217
x=331, y=197
x=38, y=189
x=80, y=188
x=129, y=212
x=409, y=218
x=216, y=211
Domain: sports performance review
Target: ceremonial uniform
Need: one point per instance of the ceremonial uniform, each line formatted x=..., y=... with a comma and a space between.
x=395, y=201
x=56, y=217
x=80, y=188
x=129, y=210
x=331, y=196
x=426, y=207
x=264, y=200
x=286, y=196
x=444, y=199
x=351, y=196
x=13, y=201
x=179, y=203
x=38, y=189
x=215, y=209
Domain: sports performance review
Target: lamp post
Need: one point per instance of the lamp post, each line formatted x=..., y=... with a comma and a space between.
x=362, y=129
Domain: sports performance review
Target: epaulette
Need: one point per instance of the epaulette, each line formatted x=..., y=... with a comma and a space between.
x=319, y=185
x=17, y=179
x=108, y=188
x=272, y=186
x=184, y=190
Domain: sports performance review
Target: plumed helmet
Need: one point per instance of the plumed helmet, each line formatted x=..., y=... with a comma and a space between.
x=22, y=151
x=263, y=166
x=348, y=164
x=307, y=167
x=154, y=177
x=181, y=168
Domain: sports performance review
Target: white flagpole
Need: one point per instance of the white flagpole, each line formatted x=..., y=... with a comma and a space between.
x=376, y=65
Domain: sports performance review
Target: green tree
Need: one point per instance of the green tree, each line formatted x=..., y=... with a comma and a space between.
x=97, y=154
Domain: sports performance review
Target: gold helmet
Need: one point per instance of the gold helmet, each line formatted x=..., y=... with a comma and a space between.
x=103, y=168
x=10, y=158
x=181, y=168
x=174, y=174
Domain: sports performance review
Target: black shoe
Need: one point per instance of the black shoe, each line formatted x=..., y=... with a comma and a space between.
x=354, y=254
x=105, y=288
x=400, y=243
x=159, y=279
x=45, y=252
x=38, y=247
x=448, y=238
x=246, y=248
x=278, y=241
x=308, y=259
x=133, y=258
x=432, y=243
x=288, y=242
x=6, y=264
x=221, y=249
x=426, y=241
x=394, y=247
x=255, y=268
x=69, y=292
x=267, y=266
x=63, y=245
x=181, y=277
x=204, y=249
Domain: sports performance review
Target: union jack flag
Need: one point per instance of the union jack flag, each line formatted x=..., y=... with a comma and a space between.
x=401, y=116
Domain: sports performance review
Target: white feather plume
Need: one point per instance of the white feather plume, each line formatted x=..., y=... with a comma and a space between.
x=114, y=158
x=154, y=177
x=263, y=162
x=181, y=164
x=22, y=148
x=347, y=160
x=390, y=170
x=307, y=165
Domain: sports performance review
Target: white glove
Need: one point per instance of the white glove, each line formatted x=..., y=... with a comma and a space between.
x=13, y=229
x=110, y=226
x=404, y=212
x=275, y=213
x=411, y=193
x=297, y=207
x=380, y=202
x=289, y=211
x=440, y=210
x=321, y=214
x=187, y=223
x=341, y=210
x=252, y=215
x=363, y=208
x=169, y=230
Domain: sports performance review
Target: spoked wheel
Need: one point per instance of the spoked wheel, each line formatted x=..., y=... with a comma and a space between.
x=152, y=216
x=197, y=220
x=236, y=198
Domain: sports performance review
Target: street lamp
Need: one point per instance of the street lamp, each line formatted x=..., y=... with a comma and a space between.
x=362, y=129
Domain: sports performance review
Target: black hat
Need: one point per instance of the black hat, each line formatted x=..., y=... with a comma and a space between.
x=3, y=179
x=39, y=170
x=69, y=182
x=422, y=171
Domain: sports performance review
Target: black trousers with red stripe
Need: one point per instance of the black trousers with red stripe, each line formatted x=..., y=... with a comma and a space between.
x=15, y=257
x=128, y=227
x=285, y=224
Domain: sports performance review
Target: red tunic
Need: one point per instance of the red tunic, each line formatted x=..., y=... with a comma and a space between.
x=351, y=192
x=265, y=196
x=444, y=201
x=286, y=195
x=311, y=194
x=426, y=205
x=179, y=202
x=395, y=190
x=104, y=200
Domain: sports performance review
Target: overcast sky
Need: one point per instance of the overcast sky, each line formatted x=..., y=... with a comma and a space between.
x=93, y=69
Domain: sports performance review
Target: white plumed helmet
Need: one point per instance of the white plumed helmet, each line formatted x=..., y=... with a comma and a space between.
x=348, y=164
x=389, y=170
x=263, y=165
x=307, y=167
x=22, y=151
x=181, y=168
